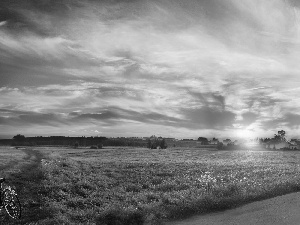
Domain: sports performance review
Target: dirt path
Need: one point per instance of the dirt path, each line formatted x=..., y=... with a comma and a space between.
x=28, y=183
x=31, y=156
x=276, y=211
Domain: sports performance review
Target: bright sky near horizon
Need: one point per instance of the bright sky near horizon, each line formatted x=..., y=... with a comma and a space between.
x=224, y=68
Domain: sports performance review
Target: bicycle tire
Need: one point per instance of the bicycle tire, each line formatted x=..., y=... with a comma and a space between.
x=12, y=204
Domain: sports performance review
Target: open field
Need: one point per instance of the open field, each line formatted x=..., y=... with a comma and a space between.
x=136, y=186
x=10, y=158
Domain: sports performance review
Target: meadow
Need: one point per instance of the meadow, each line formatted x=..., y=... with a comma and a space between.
x=119, y=185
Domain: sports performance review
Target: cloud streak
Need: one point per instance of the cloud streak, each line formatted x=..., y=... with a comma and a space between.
x=194, y=66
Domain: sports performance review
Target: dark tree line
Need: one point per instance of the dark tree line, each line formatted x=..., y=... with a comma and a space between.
x=125, y=142
x=76, y=142
x=56, y=140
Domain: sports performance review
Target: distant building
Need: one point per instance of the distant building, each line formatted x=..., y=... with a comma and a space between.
x=294, y=144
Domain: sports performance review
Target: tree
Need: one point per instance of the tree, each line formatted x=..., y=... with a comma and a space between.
x=155, y=144
x=203, y=140
x=19, y=138
x=281, y=133
x=220, y=145
x=149, y=143
x=163, y=144
x=280, y=136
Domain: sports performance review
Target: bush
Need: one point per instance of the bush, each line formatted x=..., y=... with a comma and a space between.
x=93, y=147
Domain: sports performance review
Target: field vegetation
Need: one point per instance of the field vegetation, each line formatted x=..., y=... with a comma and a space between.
x=148, y=186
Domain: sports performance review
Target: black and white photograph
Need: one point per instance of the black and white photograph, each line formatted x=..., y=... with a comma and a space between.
x=150, y=112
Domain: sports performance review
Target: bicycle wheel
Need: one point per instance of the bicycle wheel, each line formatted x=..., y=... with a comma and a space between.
x=12, y=204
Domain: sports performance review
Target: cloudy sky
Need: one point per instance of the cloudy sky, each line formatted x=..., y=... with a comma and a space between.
x=225, y=68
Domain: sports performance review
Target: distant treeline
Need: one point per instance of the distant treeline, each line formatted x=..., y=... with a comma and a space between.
x=21, y=140
x=125, y=142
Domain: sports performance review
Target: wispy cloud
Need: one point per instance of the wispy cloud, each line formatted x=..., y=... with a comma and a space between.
x=194, y=66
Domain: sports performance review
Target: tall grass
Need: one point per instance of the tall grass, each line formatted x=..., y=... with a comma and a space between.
x=131, y=186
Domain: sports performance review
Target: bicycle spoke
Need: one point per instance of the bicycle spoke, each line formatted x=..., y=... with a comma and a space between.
x=12, y=204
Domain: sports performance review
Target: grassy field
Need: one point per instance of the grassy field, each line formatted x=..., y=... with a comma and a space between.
x=142, y=186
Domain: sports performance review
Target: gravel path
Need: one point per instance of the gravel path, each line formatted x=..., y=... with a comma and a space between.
x=276, y=211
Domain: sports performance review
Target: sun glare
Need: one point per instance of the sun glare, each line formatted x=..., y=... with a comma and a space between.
x=245, y=134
